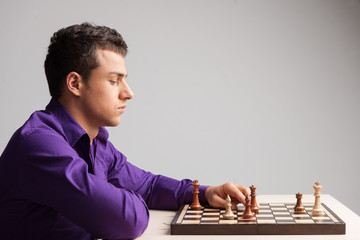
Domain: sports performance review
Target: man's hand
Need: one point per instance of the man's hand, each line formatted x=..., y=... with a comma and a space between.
x=216, y=195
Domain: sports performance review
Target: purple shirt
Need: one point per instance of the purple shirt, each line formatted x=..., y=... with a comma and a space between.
x=55, y=185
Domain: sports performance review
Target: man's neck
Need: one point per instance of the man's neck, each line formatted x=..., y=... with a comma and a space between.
x=80, y=118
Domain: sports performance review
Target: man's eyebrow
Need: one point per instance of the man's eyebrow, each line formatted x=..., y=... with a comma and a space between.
x=119, y=74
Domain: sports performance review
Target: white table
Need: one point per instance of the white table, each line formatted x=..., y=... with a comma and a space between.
x=159, y=225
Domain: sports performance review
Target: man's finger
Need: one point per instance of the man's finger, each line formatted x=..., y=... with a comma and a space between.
x=239, y=192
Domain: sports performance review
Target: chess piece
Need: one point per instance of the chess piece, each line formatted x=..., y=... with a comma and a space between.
x=247, y=214
x=317, y=209
x=228, y=211
x=254, y=204
x=195, y=205
x=299, y=208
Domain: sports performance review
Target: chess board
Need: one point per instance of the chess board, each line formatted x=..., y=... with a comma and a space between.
x=273, y=219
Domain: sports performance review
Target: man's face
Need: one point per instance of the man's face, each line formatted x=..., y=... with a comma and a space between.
x=106, y=92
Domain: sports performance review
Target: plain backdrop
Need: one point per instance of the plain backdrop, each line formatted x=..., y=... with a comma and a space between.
x=252, y=92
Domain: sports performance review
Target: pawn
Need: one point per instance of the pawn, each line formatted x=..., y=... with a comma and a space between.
x=228, y=211
x=247, y=214
x=299, y=208
x=254, y=204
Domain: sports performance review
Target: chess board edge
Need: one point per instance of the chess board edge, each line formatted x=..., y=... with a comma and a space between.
x=177, y=228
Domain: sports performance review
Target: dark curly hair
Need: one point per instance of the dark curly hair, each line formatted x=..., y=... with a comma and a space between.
x=74, y=49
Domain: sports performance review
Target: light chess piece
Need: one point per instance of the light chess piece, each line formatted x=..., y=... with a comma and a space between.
x=317, y=209
x=228, y=211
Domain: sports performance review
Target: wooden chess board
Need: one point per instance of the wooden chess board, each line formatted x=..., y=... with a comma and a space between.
x=273, y=219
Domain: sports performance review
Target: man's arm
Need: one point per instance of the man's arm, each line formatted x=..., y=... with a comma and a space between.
x=56, y=177
x=162, y=192
x=159, y=192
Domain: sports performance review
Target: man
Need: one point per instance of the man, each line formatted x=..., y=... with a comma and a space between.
x=60, y=177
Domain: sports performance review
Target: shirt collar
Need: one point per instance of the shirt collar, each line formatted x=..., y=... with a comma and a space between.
x=71, y=128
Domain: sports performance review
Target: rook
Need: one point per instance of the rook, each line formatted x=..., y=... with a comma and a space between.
x=299, y=208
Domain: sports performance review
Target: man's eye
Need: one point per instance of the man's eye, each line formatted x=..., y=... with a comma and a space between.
x=113, y=82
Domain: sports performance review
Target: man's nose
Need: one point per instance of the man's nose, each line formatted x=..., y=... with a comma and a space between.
x=126, y=92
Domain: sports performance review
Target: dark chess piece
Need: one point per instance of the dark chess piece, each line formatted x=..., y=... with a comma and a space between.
x=254, y=204
x=195, y=205
x=248, y=214
x=299, y=208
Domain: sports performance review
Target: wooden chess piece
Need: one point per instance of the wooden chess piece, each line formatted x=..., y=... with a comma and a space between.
x=254, y=204
x=299, y=208
x=195, y=205
x=247, y=214
x=228, y=211
x=317, y=209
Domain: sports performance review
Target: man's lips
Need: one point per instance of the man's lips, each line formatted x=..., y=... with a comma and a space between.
x=122, y=108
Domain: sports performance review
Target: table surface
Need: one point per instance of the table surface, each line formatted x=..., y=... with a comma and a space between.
x=159, y=224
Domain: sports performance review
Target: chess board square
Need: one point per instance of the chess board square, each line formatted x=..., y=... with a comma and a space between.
x=190, y=221
x=284, y=218
x=305, y=221
x=228, y=221
x=321, y=218
x=264, y=216
x=262, y=211
x=240, y=219
x=192, y=217
x=276, y=204
x=210, y=219
x=222, y=217
x=281, y=213
x=286, y=222
x=324, y=221
x=240, y=222
x=308, y=204
x=248, y=219
x=300, y=216
x=194, y=212
x=211, y=214
x=279, y=209
x=211, y=210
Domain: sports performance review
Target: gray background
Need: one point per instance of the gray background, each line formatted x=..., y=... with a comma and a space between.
x=253, y=92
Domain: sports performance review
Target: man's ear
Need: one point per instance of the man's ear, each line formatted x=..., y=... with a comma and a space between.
x=73, y=83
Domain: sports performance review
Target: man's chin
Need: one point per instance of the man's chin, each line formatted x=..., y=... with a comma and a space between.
x=113, y=123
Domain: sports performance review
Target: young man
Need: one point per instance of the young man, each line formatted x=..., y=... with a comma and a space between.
x=60, y=178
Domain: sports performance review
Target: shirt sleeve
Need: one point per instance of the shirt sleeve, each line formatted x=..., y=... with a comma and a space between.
x=54, y=175
x=159, y=192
